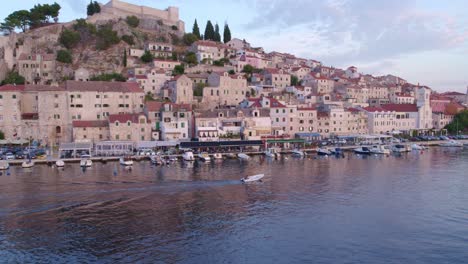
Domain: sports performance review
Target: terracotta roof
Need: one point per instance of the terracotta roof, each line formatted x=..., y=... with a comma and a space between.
x=374, y=109
x=43, y=88
x=275, y=103
x=124, y=118
x=91, y=123
x=163, y=60
x=453, y=93
x=124, y=87
x=400, y=107
x=153, y=106
x=141, y=76
x=12, y=88
x=45, y=57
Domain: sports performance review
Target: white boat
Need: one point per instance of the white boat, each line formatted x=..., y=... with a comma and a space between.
x=27, y=164
x=86, y=162
x=324, y=152
x=253, y=178
x=231, y=156
x=451, y=143
x=379, y=149
x=400, y=148
x=362, y=150
x=272, y=153
x=417, y=147
x=218, y=156
x=188, y=156
x=126, y=161
x=298, y=153
x=156, y=159
x=60, y=163
x=243, y=156
x=204, y=156
x=4, y=165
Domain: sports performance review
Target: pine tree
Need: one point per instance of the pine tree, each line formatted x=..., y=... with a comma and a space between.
x=91, y=9
x=227, y=33
x=125, y=58
x=97, y=7
x=217, y=36
x=196, y=30
x=209, y=31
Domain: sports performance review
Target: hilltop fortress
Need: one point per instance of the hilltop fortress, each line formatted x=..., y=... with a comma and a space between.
x=118, y=9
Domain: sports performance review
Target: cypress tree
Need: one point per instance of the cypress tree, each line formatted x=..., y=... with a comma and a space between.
x=227, y=33
x=97, y=7
x=209, y=31
x=217, y=36
x=125, y=58
x=91, y=9
x=196, y=30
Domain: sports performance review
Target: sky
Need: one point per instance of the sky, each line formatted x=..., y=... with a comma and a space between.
x=422, y=41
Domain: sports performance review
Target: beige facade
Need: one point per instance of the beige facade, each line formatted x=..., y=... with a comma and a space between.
x=91, y=131
x=224, y=89
x=209, y=51
x=129, y=127
x=37, y=69
x=181, y=90
x=277, y=78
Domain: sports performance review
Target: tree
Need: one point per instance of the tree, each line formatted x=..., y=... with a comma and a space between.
x=189, y=39
x=128, y=39
x=174, y=56
x=97, y=7
x=231, y=72
x=18, y=19
x=64, y=56
x=196, y=30
x=13, y=78
x=217, y=36
x=294, y=80
x=125, y=58
x=191, y=58
x=93, y=8
x=133, y=21
x=219, y=63
x=147, y=57
x=178, y=70
x=108, y=77
x=227, y=34
x=69, y=38
x=106, y=37
x=198, y=91
x=209, y=31
x=248, y=69
x=459, y=123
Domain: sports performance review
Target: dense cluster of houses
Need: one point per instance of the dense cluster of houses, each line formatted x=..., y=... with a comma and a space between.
x=284, y=97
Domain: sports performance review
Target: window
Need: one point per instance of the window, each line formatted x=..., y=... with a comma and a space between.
x=13, y=96
x=116, y=123
x=56, y=105
x=56, y=95
x=1, y=96
x=129, y=123
x=182, y=125
x=117, y=137
x=129, y=137
x=98, y=116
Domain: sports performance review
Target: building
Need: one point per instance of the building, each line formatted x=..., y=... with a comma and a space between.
x=277, y=78
x=166, y=65
x=37, y=68
x=159, y=49
x=129, y=127
x=224, y=89
x=208, y=51
x=92, y=131
x=181, y=90
x=238, y=44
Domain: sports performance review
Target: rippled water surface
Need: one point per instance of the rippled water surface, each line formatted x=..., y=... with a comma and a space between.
x=407, y=209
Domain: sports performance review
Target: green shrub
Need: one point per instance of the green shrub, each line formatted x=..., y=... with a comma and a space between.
x=13, y=78
x=107, y=77
x=133, y=21
x=128, y=39
x=106, y=37
x=64, y=56
x=147, y=57
x=69, y=38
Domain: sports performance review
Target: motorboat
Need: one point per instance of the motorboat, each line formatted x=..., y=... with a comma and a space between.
x=217, y=156
x=27, y=164
x=204, y=156
x=243, y=156
x=126, y=161
x=156, y=159
x=417, y=147
x=4, y=165
x=362, y=150
x=272, y=153
x=298, y=153
x=231, y=156
x=451, y=143
x=379, y=149
x=60, y=163
x=188, y=156
x=400, y=148
x=337, y=151
x=324, y=152
x=86, y=161
x=252, y=178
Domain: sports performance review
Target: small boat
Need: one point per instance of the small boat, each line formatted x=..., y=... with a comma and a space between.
x=86, y=161
x=126, y=161
x=400, y=148
x=272, y=153
x=4, y=165
x=324, y=152
x=451, y=143
x=380, y=149
x=362, y=150
x=204, y=156
x=218, y=156
x=231, y=156
x=253, y=178
x=337, y=151
x=27, y=164
x=417, y=147
x=156, y=159
x=243, y=156
x=298, y=153
x=60, y=163
x=188, y=156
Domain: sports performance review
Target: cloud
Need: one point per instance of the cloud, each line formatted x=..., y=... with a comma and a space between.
x=357, y=30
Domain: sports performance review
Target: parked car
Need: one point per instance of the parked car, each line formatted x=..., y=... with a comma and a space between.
x=9, y=156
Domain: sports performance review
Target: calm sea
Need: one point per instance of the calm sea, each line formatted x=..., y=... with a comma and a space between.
x=398, y=209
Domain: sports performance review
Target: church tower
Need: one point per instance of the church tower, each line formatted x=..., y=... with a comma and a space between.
x=423, y=97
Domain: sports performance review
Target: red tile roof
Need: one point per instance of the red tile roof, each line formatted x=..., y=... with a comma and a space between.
x=400, y=107
x=91, y=123
x=45, y=57
x=153, y=106
x=12, y=88
x=124, y=87
x=275, y=103
x=124, y=118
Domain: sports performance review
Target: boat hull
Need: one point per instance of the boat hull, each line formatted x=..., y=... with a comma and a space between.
x=252, y=178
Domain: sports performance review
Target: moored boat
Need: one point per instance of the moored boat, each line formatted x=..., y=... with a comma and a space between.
x=27, y=164
x=126, y=161
x=252, y=178
x=324, y=152
x=4, y=165
x=243, y=156
x=362, y=150
x=86, y=161
x=417, y=147
x=451, y=143
x=60, y=163
x=379, y=149
x=298, y=153
x=188, y=156
x=204, y=156
x=217, y=156
x=400, y=148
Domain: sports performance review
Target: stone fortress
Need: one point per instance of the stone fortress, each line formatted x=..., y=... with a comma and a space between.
x=119, y=9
